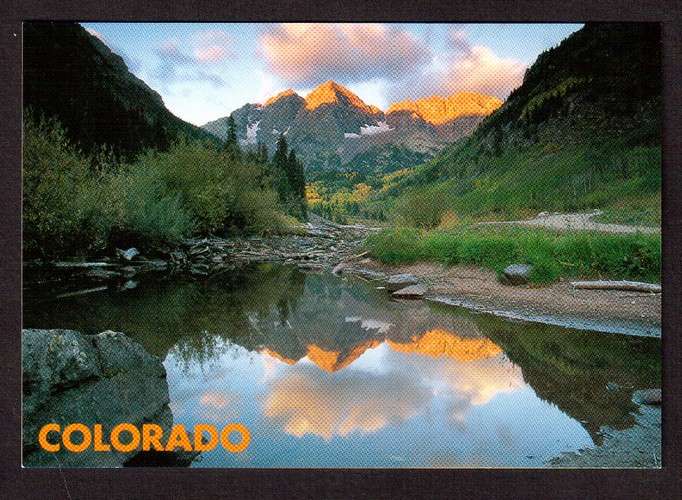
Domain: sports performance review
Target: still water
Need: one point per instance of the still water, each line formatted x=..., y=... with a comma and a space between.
x=330, y=372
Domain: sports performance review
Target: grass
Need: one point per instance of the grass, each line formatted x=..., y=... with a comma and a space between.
x=643, y=212
x=552, y=254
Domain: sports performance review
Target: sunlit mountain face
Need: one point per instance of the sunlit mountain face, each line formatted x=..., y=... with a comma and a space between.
x=329, y=371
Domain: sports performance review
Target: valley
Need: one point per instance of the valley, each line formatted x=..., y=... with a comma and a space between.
x=346, y=277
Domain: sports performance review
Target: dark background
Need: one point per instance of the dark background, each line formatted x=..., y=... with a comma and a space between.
x=16, y=482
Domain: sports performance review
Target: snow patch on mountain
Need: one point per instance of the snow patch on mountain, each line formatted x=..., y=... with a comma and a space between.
x=379, y=128
x=251, y=133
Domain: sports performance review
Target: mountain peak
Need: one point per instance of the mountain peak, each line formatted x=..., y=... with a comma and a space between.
x=277, y=97
x=331, y=92
x=438, y=110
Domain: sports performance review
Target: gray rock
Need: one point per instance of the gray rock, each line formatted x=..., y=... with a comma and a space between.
x=338, y=269
x=398, y=281
x=54, y=360
x=516, y=274
x=648, y=396
x=129, y=254
x=410, y=292
x=105, y=379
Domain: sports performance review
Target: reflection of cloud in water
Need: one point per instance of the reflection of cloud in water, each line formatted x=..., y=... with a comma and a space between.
x=328, y=406
x=308, y=402
x=476, y=384
x=214, y=399
x=468, y=372
x=216, y=405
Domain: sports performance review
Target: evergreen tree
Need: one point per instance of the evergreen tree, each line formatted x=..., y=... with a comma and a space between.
x=279, y=164
x=231, y=143
x=296, y=178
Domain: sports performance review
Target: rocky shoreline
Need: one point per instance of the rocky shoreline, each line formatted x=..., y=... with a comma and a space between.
x=562, y=304
x=320, y=245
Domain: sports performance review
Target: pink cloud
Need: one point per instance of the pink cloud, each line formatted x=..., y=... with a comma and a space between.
x=465, y=67
x=211, y=46
x=480, y=70
x=214, y=53
x=307, y=54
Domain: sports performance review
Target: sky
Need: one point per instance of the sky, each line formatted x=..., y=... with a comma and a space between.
x=204, y=71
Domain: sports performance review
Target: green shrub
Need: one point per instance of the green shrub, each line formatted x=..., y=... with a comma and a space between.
x=61, y=213
x=76, y=204
x=147, y=214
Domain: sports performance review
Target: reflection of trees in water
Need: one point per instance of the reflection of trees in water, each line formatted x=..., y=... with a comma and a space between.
x=590, y=376
x=195, y=316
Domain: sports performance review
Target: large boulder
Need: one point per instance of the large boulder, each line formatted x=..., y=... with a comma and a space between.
x=91, y=379
x=516, y=274
x=398, y=281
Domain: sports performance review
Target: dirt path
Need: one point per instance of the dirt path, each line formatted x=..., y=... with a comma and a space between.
x=577, y=222
x=603, y=310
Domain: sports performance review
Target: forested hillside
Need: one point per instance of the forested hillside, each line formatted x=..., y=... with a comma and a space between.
x=583, y=131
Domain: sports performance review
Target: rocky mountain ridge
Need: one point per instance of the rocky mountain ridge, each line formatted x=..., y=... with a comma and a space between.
x=332, y=126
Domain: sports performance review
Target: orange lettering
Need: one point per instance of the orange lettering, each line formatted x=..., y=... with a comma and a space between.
x=116, y=437
x=42, y=437
x=151, y=437
x=199, y=445
x=178, y=438
x=99, y=445
x=76, y=447
x=230, y=446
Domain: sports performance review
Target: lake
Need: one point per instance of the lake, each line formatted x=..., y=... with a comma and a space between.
x=329, y=371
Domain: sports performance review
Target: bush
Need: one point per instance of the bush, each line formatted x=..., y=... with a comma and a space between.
x=77, y=204
x=61, y=213
x=146, y=213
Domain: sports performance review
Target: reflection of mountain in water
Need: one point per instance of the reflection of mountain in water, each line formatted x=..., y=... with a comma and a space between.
x=331, y=322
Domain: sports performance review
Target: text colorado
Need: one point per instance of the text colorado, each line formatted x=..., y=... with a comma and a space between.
x=127, y=437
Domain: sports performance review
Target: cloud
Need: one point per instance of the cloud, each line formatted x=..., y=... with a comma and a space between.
x=213, y=53
x=464, y=67
x=176, y=65
x=307, y=54
x=211, y=46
